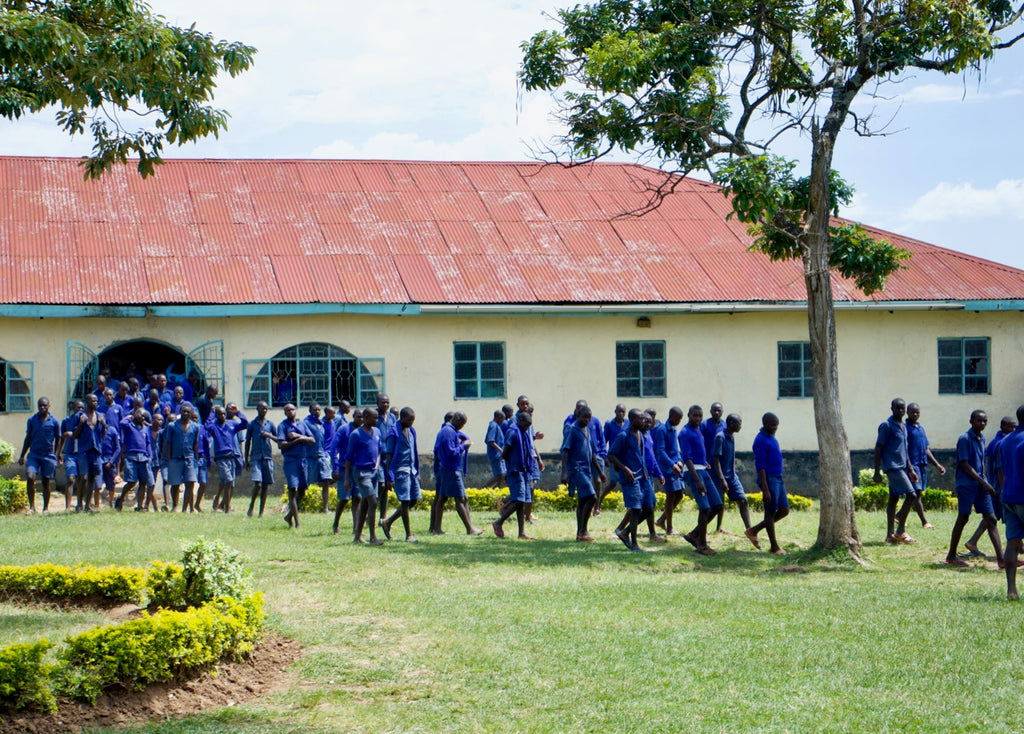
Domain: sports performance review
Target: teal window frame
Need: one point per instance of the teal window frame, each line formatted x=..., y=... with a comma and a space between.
x=965, y=365
x=641, y=369
x=16, y=386
x=795, y=379
x=479, y=370
x=312, y=367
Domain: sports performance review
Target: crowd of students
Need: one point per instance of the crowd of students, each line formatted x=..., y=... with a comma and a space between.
x=164, y=439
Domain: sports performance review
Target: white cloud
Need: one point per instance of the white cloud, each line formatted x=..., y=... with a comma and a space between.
x=963, y=201
x=946, y=93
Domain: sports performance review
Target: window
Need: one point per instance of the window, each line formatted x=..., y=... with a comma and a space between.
x=640, y=369
x=16, y=387
x=964, y=366
x=312, y=372
x=795, y=380
x=479, y=369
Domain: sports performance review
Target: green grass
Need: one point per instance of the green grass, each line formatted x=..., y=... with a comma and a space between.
x=29, y=623
x=482, y=634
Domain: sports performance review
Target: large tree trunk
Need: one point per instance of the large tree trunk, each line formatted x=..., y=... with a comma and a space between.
x=837, y=526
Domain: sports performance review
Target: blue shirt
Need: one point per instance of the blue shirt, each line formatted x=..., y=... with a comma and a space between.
x=42, y=435
x=709, y=430
x=495, y=434
x=613, y=429
x=992, y=460
x=223, y=434
x=91, y=437
x=449, y=448
x=970, y=447
x=650, y=460
x=1011, y=457
x=260, y=447
x=285, y=427
x=363, y=448
x=581, y=449
x=180, y=443
x=137, y=439
x=666, y=446
x=691, y=445
x=892, y=438
x=628, y=448
x=519, y=450
x=917, y=444
x=315, y=426
x=725, y=449
x=340, y=445
x=402, y=450
x=110, y=450
x=767, y=454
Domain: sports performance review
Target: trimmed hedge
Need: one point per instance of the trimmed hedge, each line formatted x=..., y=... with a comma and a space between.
x=870, y=496
x=158, y=648
x=485, y=500
x=13, y=496
x=25, y=678
x=46, y=581
x=6, y=453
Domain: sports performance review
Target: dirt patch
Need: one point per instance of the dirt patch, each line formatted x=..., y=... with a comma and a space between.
x=263, y=672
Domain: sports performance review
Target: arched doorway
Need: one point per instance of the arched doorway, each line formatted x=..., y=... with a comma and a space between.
x=143, y=358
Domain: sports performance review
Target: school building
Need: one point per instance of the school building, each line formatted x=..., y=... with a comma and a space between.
x=459, y=286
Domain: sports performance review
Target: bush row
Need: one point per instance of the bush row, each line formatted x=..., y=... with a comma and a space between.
x=46, y=581
x=13, y=496
x=484, y=500
x=25, y=678
x=871, y=495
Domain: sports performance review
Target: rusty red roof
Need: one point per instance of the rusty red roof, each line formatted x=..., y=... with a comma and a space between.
x=406, y=232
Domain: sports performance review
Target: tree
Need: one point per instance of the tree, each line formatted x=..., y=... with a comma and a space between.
x=712, y=84
x=102, y=61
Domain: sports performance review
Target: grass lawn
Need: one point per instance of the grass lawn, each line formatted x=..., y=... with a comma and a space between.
x=481, y=634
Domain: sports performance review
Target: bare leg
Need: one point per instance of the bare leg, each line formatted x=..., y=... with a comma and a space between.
x=1013, y=548
x=954, y=539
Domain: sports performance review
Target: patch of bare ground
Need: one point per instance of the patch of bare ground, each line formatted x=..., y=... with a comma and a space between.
x=262, y=672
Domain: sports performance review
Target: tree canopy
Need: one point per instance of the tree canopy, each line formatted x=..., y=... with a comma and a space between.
x=712, y=85
x=104, y=64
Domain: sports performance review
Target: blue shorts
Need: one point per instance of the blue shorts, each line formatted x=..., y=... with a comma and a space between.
x=497, y=466
x=899, y=483
x=407, y=485
x=203, y=473
x=673, y=482
x=648, y=498
x=262, y=471
x=710, y=499
x=452, y=483
x=735, y=489
x=1013, y=519
x=581, y=483
x=632, y=494
x=225, y=469
x=43, y=466
x=612, y=475
x=89, y=464
x=138, y=471
x=343, y=494
x=922, y=478
x=777, y=490
x=295, y=472
x=109, y=475
x=364, y=483
x=180, y=471
x=318, y=469
x=71, y=465
x=520, y=487
x=977, y=498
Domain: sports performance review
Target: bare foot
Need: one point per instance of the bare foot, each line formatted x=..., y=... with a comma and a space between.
x=1012, y=596
x=778, y=552
x=526, y=537
x=752, y=537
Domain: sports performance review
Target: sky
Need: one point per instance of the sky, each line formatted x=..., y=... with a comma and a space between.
x=397, y=79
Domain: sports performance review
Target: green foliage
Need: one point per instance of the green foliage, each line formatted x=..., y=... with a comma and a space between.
x=25, y=678
x=6, y=453
x=47, y=582
x=13, y=496
x=94, y=59
x=211, y=570
x=797, y=502
x=872, y=496
x=158, y=648
x=165, y=586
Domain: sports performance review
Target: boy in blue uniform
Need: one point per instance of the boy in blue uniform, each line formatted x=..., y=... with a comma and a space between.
x=1011, y=470
x=159, y=465
x=626, y=454
x=293, y=437
x=222, y=434
x=180, y=453
x=699, y=482
x=723, y=461
x=1006, y=426
x=670, y=461
x=362, y=460
x=69, y=450
x=891, y=456
x=920, y=456
x=972, y=489
x=495, y=442
x=439, y=498
x=260, y=437
x=338, y=448
x=110, y=456
x=612, y=429
x=42, y=437
x=88, y=435
x=452, y=447
x=138, y=457
x=518, y=457
x=402, y=469
x=318, y=456
x=768, y=463
x=386, y=420
x=579, y=465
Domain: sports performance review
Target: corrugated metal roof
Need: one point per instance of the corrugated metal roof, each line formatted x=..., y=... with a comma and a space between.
x=362, y=232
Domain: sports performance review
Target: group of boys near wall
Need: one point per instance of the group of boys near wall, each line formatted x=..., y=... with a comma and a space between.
x=376, y=452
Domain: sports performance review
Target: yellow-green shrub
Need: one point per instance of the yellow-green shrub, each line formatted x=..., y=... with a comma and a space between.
x=6, y=453
x=46, y=581
x=158, y=648
x=25, y=678
x=871, y=495
x=13, y=496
